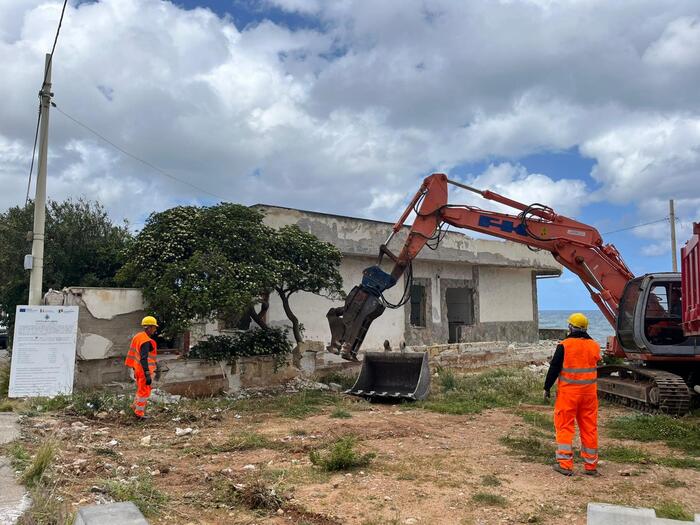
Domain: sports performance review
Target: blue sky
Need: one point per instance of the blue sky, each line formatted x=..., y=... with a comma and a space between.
x=343, y=107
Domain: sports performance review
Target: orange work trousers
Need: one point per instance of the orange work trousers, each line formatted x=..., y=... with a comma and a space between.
x=582, y=408
x=143, y=392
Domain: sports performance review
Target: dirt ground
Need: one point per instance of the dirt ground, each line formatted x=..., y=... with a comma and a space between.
x=429, y=468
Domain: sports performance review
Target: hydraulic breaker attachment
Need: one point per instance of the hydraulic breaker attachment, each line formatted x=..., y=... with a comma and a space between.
x=393, y=375
x=349, y=323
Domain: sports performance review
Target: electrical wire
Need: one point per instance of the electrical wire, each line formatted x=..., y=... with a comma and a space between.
x=135, y=157
x=665, y=219
x=406, y=291
x=46, y=74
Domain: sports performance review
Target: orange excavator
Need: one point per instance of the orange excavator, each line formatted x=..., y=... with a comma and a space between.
x=657, y=333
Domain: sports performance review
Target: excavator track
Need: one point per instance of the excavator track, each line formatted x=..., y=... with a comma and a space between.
x=648, y=390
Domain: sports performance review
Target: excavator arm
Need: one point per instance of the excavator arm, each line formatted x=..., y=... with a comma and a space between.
x=576, y=246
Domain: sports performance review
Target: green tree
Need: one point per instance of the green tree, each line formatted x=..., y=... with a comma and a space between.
x=304, y=264
x=201, y=262
x=83, y=247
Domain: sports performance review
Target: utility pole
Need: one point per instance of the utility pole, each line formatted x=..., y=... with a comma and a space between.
x=672, y=217
x=37, y=262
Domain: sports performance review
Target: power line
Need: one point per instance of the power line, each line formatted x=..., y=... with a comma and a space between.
x=129, y=154
x=637, y=226
x=46, y=72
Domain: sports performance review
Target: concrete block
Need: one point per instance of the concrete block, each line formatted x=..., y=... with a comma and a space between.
x=605, y=514
x=125, y=513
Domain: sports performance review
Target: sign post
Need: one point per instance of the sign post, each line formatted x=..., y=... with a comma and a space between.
x=43, y=351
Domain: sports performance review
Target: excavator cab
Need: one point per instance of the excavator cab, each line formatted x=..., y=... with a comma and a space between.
x=649, y=319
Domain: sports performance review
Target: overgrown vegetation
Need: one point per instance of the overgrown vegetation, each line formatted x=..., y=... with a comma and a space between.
x=676, y=433
x=490, y=500
x=447, y=379
x=39, y=464
x=81, y=403
x=19, y=457
x=672, y=510
x=341, y=456
x=253, y=493
x=141, y=491
x=272, y=341
x=47, y=508
x=505, y=387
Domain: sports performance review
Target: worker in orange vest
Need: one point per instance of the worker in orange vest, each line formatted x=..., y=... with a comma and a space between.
x=574, y=365
x=141, y=358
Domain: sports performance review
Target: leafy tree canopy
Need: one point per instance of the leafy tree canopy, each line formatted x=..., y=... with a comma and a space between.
x=304, y=263
x=83, y=247
x=201, y=262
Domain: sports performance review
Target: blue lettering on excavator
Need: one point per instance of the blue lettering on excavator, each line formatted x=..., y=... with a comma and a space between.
x=505, y=226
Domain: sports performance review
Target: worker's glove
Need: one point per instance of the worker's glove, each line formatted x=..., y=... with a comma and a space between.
x=148, y=381
x=547, y=395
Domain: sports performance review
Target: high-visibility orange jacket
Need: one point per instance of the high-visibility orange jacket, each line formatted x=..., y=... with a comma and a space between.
x=574, y=364
x=142, y=351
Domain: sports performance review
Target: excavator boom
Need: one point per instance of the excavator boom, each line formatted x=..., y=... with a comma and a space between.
x=575, y=245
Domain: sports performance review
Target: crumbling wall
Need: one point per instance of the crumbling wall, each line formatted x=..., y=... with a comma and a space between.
x=108, y=319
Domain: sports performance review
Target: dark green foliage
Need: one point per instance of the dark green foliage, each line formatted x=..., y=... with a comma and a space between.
x=272, y=341
x=201, y=262
x=341, y=456
x=83, y=248
x=304, y=263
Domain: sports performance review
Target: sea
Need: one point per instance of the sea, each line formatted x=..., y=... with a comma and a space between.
x=598, y=327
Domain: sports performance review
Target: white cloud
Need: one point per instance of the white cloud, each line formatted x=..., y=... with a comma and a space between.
x=679, y=44
x=350, y=117
x=566, y=196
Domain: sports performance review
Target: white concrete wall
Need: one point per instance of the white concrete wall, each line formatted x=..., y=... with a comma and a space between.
x=311, y=310
x=505, y=294
x=435, y=272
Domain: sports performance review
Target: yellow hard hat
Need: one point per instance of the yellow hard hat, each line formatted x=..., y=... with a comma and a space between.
x=149, y=320
x=578, y=320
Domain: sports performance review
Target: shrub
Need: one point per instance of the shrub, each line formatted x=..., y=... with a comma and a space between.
x=270, y=341
x=341, y=456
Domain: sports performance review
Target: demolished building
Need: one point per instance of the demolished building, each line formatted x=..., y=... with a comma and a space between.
x=466, y=290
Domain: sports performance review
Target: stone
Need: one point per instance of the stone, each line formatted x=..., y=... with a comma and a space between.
x=146, y=441
x=250, y=467
x=125, y=513
x=182, y=431
x=410, y=521
x=605, y=514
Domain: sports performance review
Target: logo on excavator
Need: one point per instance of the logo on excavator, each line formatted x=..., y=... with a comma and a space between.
x=505, y=226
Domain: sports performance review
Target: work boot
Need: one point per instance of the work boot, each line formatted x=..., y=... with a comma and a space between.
x=592, y=473
x=562, y=470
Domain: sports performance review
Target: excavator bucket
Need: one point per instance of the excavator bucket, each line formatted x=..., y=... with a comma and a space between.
x=393, y=375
